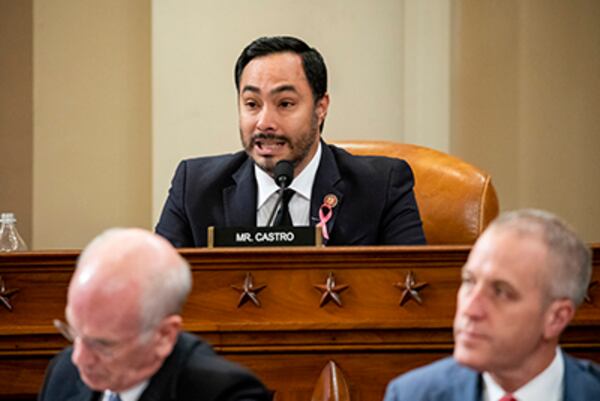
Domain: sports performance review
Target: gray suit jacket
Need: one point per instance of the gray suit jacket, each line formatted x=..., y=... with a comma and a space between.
x=376, y=203
x=193, y=372
x=446, y=380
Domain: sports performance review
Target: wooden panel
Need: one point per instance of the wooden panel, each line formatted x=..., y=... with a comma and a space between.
x=367, y=373
x=290, y=338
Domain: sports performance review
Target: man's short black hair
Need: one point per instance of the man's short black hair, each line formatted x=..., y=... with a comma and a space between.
x=312, y=61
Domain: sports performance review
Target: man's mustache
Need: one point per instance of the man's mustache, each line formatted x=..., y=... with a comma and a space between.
x=268, y=137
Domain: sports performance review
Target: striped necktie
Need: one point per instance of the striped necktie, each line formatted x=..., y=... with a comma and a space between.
x=283, y=218
x=113, y=397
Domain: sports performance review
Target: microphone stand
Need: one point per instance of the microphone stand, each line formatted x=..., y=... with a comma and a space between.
x=284, y=174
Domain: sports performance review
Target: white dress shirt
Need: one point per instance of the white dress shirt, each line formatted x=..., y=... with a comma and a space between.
x=299, y=205
x=547, y=386
x=132, y=394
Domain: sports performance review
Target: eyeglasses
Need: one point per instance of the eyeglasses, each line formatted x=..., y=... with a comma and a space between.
x=104, y=348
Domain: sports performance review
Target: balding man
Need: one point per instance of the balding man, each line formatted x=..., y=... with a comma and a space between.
x=520, y=288
x=123, y=316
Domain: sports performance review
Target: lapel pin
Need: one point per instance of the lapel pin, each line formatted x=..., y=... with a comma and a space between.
x=330, y=200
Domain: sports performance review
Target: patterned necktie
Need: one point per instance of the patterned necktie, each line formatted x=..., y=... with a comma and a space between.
x=114, y=397
x=283, y=218
x=508, y=397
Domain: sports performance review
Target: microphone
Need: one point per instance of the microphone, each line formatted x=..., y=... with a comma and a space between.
x=283, y=175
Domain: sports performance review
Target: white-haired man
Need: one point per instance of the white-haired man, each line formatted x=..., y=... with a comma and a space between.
x=123, y=316
x=521, y=285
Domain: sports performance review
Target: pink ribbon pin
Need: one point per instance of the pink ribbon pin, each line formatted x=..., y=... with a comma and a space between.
x=326, y=212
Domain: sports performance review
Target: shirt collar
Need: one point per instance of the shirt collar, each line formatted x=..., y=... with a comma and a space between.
x=546, y=386
x=301, y=184
x=132, y=393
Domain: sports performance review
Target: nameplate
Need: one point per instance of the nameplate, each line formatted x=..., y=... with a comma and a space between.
x=263, y=236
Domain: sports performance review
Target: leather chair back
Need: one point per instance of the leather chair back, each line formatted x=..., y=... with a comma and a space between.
x=456, y=199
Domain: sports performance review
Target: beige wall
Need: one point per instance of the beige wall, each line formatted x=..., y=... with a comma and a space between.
x=526, y=102
x=16, y=107
x=426, y=77
x=91, y=119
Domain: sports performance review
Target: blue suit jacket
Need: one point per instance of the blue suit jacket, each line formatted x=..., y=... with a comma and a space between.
x=446, y=380
x=376, y=203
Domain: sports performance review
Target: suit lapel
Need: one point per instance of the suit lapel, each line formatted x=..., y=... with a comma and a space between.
x=239, y=199
x=166, y=385
x=571, y=390
x=163, y=385
x=577, y=380
x=84, y=393
x=467, y=386
x=327, y=181
x=472, y=389
x=159, y=390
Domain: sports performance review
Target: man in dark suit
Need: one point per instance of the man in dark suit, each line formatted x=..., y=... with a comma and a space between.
x=123, y=314
x=282, y=103
x=520, y=288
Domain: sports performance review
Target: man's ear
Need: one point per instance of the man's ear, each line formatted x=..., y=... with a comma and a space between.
x=321, y=108
x=168, y=330
x=558, y=315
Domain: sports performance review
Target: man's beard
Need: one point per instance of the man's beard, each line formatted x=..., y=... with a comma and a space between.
x=299, y=148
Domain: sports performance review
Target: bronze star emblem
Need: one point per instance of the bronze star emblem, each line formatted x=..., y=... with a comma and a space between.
x=330, y=290
x=588, y=298
x=6, y=295
x=249, y=292
x=410, y=289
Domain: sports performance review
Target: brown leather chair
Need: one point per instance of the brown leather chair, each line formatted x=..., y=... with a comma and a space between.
x=456, y=199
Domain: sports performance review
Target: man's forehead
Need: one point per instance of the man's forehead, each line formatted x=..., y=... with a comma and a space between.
x=507, y=253
x=112, y=300
x=123, y=256
x=285, y=66
x=273, y=91
x=508, y=247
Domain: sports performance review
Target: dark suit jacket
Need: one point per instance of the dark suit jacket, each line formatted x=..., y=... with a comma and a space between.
x=446, y=380
x=192, y=372
x=376, y=203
